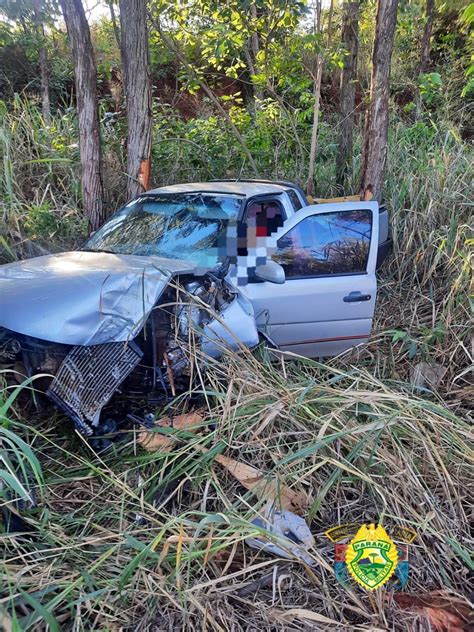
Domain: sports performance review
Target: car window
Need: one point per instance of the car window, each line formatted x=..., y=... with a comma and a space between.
x=295, y=200
x=266, y=215
x=326, y=244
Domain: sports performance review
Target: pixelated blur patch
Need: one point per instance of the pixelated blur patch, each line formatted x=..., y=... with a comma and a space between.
x=253, y=243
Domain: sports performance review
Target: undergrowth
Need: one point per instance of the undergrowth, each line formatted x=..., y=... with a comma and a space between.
x=362, y=449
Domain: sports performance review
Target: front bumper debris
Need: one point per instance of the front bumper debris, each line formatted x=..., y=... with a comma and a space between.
x=88, y=377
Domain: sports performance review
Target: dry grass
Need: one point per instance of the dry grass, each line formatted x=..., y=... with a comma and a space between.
x=363, y=450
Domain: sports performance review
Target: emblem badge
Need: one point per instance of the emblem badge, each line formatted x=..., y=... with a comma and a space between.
x=371, y=556
x=347, y=540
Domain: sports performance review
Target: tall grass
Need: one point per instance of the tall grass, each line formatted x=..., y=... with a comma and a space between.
x=20, y=470
x=362, y=450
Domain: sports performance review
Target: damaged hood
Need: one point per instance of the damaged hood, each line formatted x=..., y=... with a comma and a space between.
x=83, y=298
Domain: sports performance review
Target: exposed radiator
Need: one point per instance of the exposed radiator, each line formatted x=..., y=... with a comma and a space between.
x=89, y=376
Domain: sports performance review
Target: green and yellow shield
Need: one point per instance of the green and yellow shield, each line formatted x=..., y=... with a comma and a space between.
x=371, y=556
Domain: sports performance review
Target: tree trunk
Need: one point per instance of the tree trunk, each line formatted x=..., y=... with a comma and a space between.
x=87, y=110
x=317, y=92
x=253, y=50
x=426, y=38
x=314, y=130
x=350, y=40
x=317, y=76
x=43, y=60
x=246, y=84
x=113, y=19
x=376, y=124
x=133, y=23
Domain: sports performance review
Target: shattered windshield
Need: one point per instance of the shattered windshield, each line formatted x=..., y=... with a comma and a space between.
x=185, y=226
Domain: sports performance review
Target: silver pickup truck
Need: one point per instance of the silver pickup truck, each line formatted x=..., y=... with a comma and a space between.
x=233, y=262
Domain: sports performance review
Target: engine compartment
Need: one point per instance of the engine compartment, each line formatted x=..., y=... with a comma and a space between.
x=196, y=319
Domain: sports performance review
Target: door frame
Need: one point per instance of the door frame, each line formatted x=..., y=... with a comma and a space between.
x=291, y=222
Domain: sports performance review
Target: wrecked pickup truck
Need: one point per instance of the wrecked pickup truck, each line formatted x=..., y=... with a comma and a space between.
x=184, y=272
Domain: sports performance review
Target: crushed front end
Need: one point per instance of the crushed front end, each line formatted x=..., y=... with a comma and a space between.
x=195, y=320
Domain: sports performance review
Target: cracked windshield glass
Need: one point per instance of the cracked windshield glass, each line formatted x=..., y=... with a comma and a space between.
x=188, y=227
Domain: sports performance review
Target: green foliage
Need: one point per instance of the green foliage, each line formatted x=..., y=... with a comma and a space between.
x=467, y=19
x=39, y=187
x=40, y=222
x=20, y=471
x=88, y=549
x=424, y=344
x=410, y=23
x=106, y=49
x=20, y=41
x=431, y=87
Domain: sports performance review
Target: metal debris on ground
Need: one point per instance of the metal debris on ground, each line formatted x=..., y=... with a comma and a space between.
x=291, y=531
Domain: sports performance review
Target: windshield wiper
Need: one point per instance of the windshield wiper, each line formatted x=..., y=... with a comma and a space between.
x=109, y=252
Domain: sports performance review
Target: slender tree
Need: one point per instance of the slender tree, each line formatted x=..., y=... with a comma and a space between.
x=350, y=40
x=113, y=19
x=374, y=152
x=317, y=78
x=43, y=59
x=135, y=63
x=251, y=50
x=87, y=110
x=426, y=37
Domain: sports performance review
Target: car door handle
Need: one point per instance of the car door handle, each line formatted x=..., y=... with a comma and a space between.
x=355, y=297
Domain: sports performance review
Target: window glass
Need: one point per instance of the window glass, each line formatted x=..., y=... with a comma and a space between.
x=331, y=243
x=176, y=226
x=266, y=215
x=295, y=200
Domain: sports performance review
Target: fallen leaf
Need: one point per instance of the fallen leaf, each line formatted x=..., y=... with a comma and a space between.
x=250, y=477
x=286, y=616
x=263, y=486
x=443, y=621
x=181, y=422
x=444, y=612
x=155, y=441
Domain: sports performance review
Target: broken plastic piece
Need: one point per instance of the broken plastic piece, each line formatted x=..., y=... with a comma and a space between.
x=291, y=530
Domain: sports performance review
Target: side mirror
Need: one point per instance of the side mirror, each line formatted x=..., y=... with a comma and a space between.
x=271, y=271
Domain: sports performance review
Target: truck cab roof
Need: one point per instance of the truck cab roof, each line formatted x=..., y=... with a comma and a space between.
x=242, y=188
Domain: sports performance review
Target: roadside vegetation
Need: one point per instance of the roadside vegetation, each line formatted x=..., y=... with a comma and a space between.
x=112, y=543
